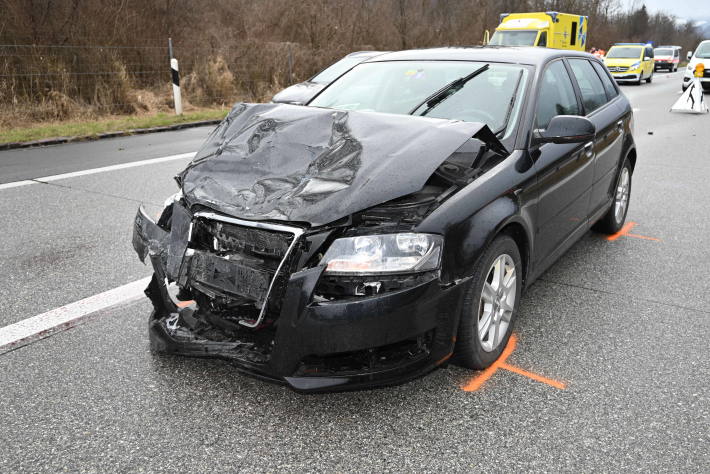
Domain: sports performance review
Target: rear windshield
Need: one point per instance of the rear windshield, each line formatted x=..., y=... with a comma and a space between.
x=625, y=52
x=513, y=38
x=663, y=52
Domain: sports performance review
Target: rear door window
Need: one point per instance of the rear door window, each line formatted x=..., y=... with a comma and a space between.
x=609, y=86
x=593, y=93
x=556, y=96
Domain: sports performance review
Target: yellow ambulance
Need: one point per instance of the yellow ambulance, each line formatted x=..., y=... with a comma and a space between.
x=547, y=29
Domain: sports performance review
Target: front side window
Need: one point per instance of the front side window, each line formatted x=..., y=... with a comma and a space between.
x=624, y=52
x=403, y=87
x=556, y=96
x=593, y=93
x=542, y=42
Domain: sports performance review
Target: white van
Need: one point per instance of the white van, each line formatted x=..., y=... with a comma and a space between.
x=701, y=56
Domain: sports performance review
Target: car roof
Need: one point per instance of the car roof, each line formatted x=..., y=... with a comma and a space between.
x=531, y=55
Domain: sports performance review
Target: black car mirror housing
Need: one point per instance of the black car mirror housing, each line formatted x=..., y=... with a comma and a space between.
x=566, y=129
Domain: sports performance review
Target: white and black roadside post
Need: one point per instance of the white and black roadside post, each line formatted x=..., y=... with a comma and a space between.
x=174, y=71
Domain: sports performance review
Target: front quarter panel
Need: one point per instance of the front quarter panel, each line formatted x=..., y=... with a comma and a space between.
x=476, y=214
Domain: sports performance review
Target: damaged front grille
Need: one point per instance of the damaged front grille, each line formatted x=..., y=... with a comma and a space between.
x=243, y=266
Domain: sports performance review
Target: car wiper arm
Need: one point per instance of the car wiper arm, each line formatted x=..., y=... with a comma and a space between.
x=448, y=90
x=510, y=105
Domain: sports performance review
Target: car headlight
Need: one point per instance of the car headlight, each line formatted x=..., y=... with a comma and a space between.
x=635, y=65
x=386, y=253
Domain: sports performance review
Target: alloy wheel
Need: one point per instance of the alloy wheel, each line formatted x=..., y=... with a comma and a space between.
x=621, y=200
x=497, y=302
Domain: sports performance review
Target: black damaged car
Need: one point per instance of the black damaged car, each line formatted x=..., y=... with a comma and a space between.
x=393, y=222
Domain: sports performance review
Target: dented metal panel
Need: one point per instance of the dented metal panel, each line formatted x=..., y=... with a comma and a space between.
x=306, y=164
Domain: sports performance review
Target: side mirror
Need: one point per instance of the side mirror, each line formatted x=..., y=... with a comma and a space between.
x=690, y=55
x=647, y=58
x=566, y=129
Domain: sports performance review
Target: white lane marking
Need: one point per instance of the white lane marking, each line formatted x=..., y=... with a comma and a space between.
x=103, y=169
x=65, y=317
x=15, y=184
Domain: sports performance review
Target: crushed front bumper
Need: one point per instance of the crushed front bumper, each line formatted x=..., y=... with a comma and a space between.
x=311, y=344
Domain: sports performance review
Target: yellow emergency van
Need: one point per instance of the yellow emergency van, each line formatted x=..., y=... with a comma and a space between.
x=547, y=29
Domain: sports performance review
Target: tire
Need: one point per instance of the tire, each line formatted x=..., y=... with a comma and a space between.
x=640, y=80
x=649, y=79
x=614, y=219
x=476, y=352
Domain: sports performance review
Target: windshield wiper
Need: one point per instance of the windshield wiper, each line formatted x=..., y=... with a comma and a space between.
x=510, y=106
x=447, y=91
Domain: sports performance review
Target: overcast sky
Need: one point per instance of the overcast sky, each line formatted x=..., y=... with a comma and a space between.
x=680, y=8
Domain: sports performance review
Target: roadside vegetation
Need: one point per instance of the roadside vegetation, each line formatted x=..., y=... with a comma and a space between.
x=91, y=128
x=89, y=60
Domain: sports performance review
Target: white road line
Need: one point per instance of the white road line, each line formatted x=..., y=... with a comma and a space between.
x=16, y=184
x=65, y=317
x=103, y=169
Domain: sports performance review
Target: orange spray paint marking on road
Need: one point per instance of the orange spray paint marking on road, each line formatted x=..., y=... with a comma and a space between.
x=478, y=381
x=626, y=232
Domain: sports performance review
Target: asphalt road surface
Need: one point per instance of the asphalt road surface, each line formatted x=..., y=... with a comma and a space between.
x=612, y=341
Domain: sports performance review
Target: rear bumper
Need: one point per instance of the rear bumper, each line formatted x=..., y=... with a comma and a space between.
x=313, y=345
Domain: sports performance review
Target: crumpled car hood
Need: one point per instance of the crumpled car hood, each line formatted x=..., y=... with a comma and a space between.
x=312, y=165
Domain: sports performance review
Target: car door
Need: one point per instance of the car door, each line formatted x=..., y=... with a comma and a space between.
x=564, y=171
x=597, y=93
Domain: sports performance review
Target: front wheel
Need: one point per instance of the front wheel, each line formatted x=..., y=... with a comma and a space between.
x=614, y=219
x=490, y=305
x=650, y=78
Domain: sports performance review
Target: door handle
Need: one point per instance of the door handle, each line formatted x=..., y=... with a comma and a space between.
x=589, y=148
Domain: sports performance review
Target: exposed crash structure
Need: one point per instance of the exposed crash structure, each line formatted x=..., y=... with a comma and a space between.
x=256, y=258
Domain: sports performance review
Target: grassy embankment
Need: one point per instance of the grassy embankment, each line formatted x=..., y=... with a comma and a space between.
x=93, y=127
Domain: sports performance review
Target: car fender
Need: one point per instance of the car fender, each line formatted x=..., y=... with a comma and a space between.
x=475, y=215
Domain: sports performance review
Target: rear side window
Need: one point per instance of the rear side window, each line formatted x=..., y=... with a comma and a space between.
x=609, y=86
x=593, y=93
x=573, y=36
x=557, y=95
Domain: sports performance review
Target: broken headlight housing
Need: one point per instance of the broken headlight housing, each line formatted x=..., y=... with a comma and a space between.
x=386, y=253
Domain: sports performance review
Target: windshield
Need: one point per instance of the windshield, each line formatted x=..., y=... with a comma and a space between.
x=513, y=38
x=624, y=52
x=663, y=52
x=703, y=51
x=397, y=87
x=335, y=70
